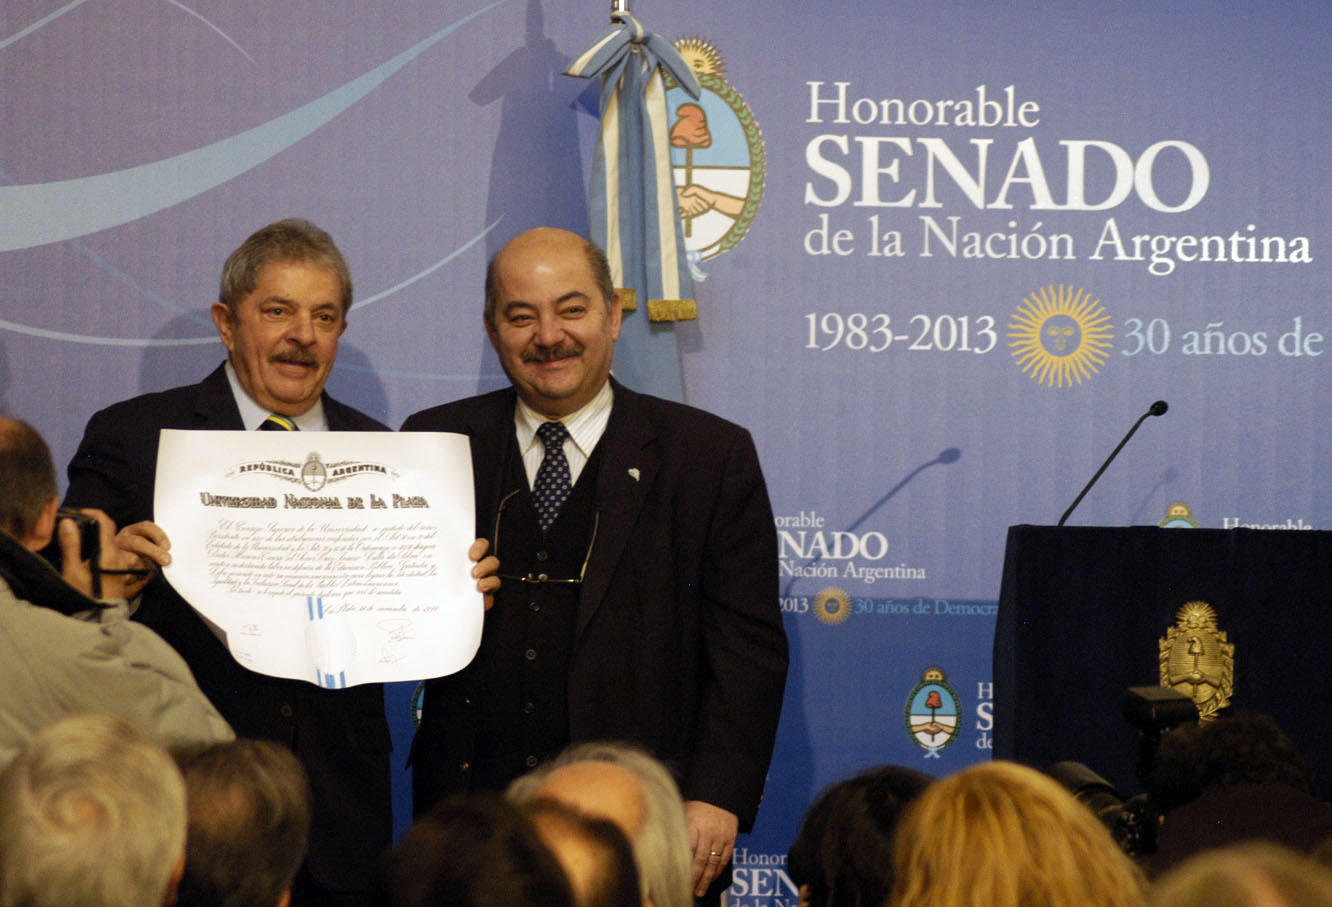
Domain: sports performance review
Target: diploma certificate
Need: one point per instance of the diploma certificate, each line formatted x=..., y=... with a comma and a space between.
x=334, y=557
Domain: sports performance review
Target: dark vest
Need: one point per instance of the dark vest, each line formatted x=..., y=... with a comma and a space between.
x=523, y=710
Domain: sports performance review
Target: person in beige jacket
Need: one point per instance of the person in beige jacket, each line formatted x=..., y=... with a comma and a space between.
x=61, y=651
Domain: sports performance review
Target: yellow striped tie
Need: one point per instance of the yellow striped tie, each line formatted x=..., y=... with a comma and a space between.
x=274, y=422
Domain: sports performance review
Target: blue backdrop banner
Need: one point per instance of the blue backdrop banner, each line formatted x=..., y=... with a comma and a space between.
x=944, y=254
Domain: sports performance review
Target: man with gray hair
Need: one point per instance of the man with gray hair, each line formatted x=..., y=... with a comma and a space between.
x=91, y=812
x=624, y=784
x=281, y=309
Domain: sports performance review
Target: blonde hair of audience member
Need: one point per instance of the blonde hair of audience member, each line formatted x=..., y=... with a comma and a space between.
x=1255, y=874
x=1003, y=835
x=1322, y=854
x=92, y=811
x=655, y=825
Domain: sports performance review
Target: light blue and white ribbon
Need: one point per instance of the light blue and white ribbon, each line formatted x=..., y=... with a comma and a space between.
x=632, y=202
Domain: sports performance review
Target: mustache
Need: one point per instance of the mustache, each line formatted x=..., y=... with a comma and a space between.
x=295, y=356
x=549, y=354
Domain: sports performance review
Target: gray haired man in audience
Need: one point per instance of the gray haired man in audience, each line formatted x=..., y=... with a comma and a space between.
x=91, y=812
x=594, y=852
x=626, y=785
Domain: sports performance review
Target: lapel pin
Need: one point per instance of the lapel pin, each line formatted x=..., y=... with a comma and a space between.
x=633, y=473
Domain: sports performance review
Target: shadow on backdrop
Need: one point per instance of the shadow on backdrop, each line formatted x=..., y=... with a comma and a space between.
x=794, y=759
x=945, y=457
x=536, y=170
x=1166, y=477
x=165, y=367
x=4, y=380
x=355, y=382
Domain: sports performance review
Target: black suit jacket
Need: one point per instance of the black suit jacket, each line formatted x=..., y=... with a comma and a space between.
x=679, y=643
x=341, y=736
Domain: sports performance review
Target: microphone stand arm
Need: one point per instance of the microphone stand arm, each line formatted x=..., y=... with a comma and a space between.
x=1114, y=453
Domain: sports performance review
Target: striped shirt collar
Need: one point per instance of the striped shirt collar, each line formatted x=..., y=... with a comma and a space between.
x=585, y=426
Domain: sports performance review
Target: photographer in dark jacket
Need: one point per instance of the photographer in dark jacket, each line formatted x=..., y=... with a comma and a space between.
x=1233, y=779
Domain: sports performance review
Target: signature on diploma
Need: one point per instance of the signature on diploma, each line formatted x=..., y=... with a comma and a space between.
x=396, y=630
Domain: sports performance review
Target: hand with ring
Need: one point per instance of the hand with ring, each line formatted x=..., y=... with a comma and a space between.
x=712, y=832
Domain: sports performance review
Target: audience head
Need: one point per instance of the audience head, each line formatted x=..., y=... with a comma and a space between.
x=843, y=854
x=249, y=816
x=1005, y=835
x=1323, y=852
x=626, y=785
x=1254, y=874
x=595, y=854
x=92, y=811
x=1238, y=749
x=28, y=493
x=474, y=851
x=1237, y=778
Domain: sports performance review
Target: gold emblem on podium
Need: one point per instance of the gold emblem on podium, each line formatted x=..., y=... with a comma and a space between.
x=1197, y=659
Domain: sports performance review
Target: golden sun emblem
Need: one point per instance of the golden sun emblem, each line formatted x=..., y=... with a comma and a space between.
x=832, y=605
x=702, y=57
x=1060, y=336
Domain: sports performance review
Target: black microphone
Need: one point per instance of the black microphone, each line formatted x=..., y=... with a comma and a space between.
x=1156, y=409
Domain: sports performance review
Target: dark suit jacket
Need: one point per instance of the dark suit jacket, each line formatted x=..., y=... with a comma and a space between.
x=679, y=643
x=1231, y=813
x=341, y=736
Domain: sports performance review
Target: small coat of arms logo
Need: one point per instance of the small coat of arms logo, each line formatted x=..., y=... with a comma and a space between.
x=1198, y=660
x=932, y=713
x=1178, y=516
x=313, y=473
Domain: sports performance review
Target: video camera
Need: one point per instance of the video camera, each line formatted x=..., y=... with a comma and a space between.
x=1154, y=711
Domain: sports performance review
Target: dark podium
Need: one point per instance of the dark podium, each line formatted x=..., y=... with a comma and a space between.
x=1081, y=610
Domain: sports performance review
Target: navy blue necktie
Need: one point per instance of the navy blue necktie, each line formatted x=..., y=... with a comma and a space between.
x=552, y=486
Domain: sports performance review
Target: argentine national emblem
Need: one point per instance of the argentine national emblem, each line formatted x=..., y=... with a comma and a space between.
x=1197, y=659
x=932, y=713
x=717, y=157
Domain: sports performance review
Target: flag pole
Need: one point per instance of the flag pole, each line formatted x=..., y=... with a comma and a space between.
x=619, y=9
